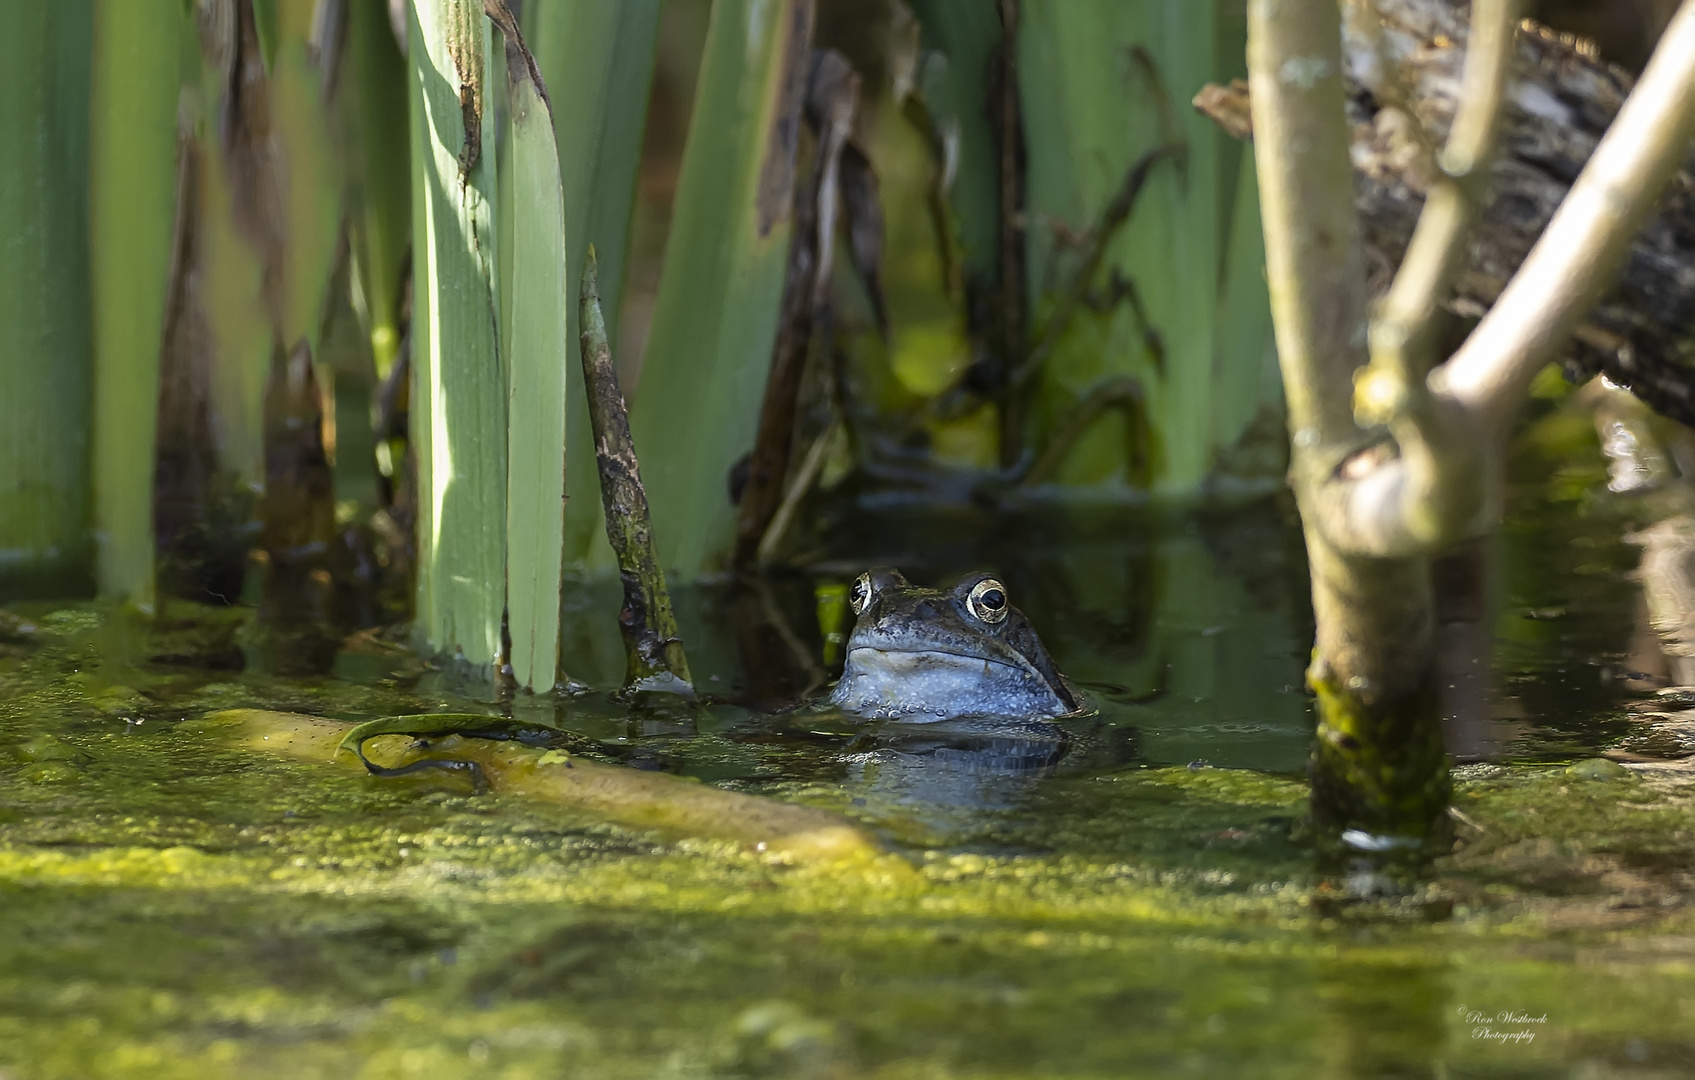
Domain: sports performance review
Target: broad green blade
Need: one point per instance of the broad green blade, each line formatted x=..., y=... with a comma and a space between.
x=44, y=369
x=596, y=60
x=1089, y=112
x=312, y=182
x=537, y=359
x=250, y=312
x=133, y=167
x=265, y=26
x=459, y=396
x=696, y=406
x=374, y=122
x=231, y=283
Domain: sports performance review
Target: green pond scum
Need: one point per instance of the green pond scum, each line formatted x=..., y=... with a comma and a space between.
x=1139, y=895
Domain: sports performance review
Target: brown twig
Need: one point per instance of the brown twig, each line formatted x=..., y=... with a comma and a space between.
x=1009, y=131
x=1226, y=106
x=831, y=101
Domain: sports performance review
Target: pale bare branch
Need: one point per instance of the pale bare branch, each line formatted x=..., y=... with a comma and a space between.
x=1581, y=250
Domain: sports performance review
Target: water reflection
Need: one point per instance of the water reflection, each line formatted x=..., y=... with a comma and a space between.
x=981, y=766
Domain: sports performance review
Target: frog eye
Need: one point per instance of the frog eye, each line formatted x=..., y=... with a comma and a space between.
x=860, y=595
x=987, y=601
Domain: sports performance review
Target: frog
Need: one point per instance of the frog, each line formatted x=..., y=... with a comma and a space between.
x=923, y=655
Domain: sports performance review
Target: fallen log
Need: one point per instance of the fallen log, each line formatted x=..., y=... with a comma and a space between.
x=1403, y=60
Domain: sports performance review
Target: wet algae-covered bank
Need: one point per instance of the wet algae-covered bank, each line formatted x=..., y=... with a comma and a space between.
x=1135, y=895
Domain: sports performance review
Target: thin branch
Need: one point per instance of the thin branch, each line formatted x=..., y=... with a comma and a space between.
x=1402, y=341
x=1579, y=254
x=1439, y=487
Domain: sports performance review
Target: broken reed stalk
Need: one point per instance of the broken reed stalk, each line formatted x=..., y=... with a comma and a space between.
x=653, y=650
x=632, y=797
x=599, y=58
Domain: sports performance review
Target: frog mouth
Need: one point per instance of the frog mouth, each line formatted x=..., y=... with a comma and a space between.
x=919, y=660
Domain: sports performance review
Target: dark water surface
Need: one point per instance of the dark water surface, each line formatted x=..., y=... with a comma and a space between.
x=1131, y=893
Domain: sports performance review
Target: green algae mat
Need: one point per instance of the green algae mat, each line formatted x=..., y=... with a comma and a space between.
x=1137, y=897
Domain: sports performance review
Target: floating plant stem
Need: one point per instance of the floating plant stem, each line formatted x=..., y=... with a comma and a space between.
x=652, y=648
x=631, y=797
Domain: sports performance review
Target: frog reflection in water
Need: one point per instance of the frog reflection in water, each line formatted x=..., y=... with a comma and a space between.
x=925, y=654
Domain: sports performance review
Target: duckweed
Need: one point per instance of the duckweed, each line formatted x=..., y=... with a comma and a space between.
x=178, y=906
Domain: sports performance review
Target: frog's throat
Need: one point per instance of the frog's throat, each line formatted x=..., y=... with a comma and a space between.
x=887, y=681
